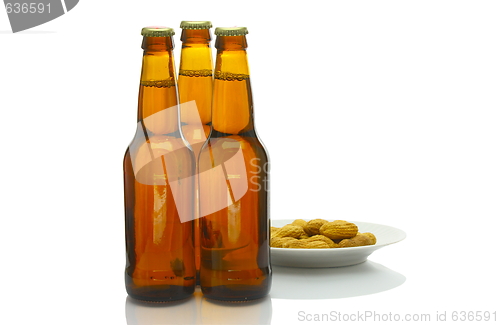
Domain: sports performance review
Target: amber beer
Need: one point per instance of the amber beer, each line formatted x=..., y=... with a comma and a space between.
x=195, y=82
x=159, y=187
x=195, y=94
x=233, y=176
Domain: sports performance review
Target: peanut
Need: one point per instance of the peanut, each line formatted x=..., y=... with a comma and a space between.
x=324, y=239
x=324, y=234
x=295, y=244
x=339, y=229
x=358, y=240
x=312, y=227
x=291, y=231
x=317, y=244
x=373, y=239
x=274, y=230
x=280, y=241
x=299, y=222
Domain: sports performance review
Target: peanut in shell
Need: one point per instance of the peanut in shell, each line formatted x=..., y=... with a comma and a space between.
x=317, y=244
x=291, y=231
x=359, y=240
x=273, y=230
x=373, y=239
x=299, y=222
x=280, y=241
x=339, y=229
x=312, y=226
x=295, y=244
x=324, y=239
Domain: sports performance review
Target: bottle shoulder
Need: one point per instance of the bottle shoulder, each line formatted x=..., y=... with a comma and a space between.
x=250, y=138
x=232, y=149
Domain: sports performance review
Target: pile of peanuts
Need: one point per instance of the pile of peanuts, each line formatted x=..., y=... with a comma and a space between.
x=320, y=233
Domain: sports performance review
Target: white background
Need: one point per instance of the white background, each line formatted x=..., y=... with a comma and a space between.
x=377, y=111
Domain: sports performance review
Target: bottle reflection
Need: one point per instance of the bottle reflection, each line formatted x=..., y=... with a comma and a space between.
x=143, y=313
x=253, y=312
x=198, y=310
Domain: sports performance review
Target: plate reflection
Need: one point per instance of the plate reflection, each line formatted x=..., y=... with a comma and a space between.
x=333, y=282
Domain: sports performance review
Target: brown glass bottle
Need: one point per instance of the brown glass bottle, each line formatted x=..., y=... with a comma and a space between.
x=234, y=183
x=159, y=183
x=195, y=95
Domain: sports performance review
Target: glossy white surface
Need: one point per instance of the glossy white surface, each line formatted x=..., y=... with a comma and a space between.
x=198, y=310
x=385, y=235
x=288, y=284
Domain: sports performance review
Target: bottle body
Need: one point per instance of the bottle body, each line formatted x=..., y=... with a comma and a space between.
x=160, y=250
x=234, y=200
x=234, y=187
x=159, y=185
x=195, y=95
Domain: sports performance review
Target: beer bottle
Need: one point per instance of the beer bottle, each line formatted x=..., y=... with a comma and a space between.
x=158, y=181
x=195, y=94
x=233, y=176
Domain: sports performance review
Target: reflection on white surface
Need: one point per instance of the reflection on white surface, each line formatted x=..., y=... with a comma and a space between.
x=332, y=283
x=288, y=283
x=220, y=313
x=198, y=310
x=182, y=312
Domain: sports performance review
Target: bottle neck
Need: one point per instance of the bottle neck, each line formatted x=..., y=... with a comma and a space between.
x=158, y=110
x=195, y=81
x=232, y=102
x=196, y=54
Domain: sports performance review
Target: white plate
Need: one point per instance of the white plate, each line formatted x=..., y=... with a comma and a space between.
x=335, y=257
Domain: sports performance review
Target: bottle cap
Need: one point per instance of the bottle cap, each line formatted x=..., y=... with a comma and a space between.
x=196, y=24
x=231, y=31
x=157, y=31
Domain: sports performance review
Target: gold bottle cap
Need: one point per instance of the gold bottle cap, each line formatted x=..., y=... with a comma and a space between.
x=196, y=24
x=157, y=31
x=231, y=31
